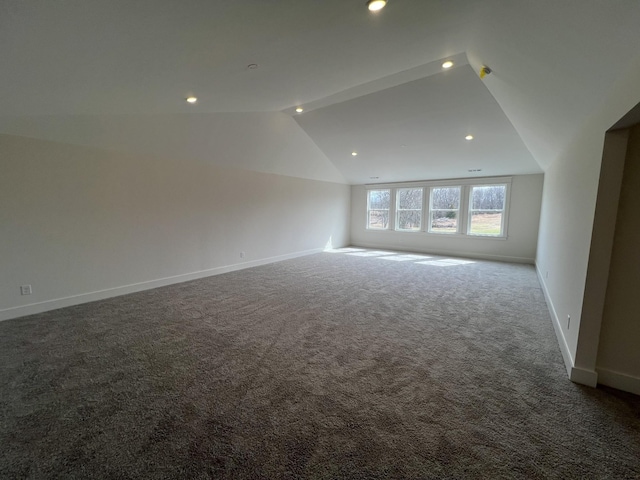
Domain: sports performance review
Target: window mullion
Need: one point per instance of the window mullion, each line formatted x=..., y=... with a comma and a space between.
x=393, y=212
x=464, y=210
x=426, y=204
x=430, y=208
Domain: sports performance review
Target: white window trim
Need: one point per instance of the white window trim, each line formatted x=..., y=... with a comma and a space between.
x=505, y=211
x=427, y=228
x=464, y=218
x=397, y=209
x=391, y=203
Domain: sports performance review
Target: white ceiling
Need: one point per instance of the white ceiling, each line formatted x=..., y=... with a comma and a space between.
x=369, y=82
x=417, y=131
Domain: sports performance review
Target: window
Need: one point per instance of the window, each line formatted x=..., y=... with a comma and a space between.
x=461, y=208
x=486, y=210
x=409, y=209
x=444, y=209
x=378, y=205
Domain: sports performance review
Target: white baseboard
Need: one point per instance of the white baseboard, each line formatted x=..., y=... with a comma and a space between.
x=562, y=341
x=33, y=308
x=618, y=380
x=479, y=256
x=575, y=374
x=584, y=376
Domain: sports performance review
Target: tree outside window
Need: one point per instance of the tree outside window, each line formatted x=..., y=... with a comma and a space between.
x=444, y=209
x=378, y=205
x=409, y=209
x=486, y=210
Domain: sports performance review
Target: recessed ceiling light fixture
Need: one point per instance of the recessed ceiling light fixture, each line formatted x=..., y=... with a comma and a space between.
x=468, y=137
x=447, y=64
x=252, y=66
x=299, y=109
x=191, y=99
x=354, y=154
x=475, y=170
x=375, y=5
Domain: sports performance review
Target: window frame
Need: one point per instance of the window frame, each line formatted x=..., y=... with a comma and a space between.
x=464, y=208
x=369, y=209
x=429, y=228
x=398, y=210
x=470, y=210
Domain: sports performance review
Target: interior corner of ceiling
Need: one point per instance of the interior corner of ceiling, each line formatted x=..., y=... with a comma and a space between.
x=544, y=166
x=472, y=60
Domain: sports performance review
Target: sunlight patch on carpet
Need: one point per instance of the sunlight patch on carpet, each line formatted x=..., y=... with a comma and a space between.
x=343, y=250
x=403, y=258
x=447, y=262
x=371, y=253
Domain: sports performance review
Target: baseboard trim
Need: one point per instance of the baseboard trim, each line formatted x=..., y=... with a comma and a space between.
x=479, y=256
x=621, y=381
x=45, y=306
x=584, y=377
x=562, y=341
x=575, y=374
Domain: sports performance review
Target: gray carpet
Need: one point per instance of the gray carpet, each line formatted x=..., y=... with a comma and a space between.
x=335, y=365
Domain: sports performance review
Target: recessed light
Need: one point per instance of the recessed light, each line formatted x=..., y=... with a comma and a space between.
x=192, y=99
x=475, y=170
x=299, y=109
x=447, y=64
x=354, y=154
x=252, y=66
x=375, y=5
x=468, y=137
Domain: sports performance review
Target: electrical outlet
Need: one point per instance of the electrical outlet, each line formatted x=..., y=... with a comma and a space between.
x=25, y=290
x=568, y=321
x=241, y=254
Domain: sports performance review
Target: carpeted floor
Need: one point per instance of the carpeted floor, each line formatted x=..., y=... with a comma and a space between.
x=347, y=365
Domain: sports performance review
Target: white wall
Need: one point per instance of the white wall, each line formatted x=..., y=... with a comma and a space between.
x=81, y=223
x=520, y=246
x=618, y=363
x=269, y=142
x=566, y=223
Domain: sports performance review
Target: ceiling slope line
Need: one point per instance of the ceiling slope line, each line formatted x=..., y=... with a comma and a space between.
x=383, y=83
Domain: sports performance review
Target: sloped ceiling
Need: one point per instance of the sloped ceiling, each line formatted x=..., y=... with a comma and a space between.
x=75, y=70
x=416, y=131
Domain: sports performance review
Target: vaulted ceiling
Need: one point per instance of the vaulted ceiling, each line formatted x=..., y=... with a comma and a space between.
x=115, y=74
